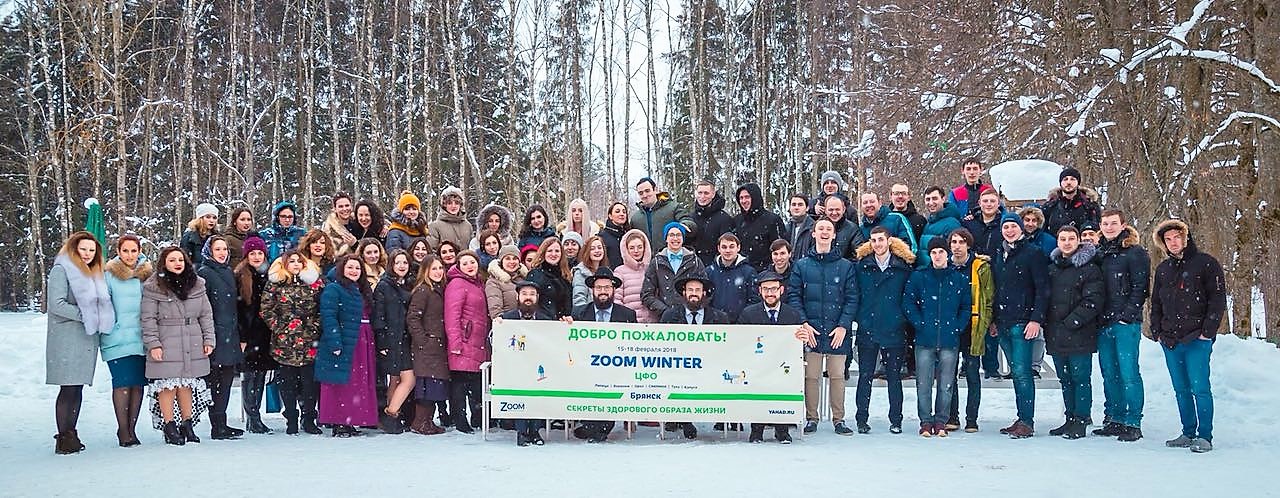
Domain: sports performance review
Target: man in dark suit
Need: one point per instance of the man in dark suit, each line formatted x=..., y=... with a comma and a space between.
x=770, y=311
x=602, y=309
x=527, y=308
x=694, y=290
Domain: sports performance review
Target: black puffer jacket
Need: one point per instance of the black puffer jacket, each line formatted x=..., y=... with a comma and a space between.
x=756, y=229
x=224, y=294
x=1126, y=268
x=712, y=223
x=1076, y=296
x=254, y=331
x=555, y=293
x=611, y=235
x=1189, y=294
x=387, y=317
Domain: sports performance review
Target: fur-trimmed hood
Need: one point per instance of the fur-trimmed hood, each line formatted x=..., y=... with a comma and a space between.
x=141, y=270
x=1173, y=224
x=309, y=275
x=1090, y=194
x=495, y=271
x=896, y=247
x=504, y=219
x=1084, y=255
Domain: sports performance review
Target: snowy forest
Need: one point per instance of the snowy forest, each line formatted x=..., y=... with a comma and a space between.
x=1168, y=107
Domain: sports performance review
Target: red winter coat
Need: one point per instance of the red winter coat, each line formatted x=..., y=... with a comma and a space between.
x=466, y=322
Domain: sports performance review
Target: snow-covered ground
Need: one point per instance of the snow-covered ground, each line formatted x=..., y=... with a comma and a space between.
x=1245, y=374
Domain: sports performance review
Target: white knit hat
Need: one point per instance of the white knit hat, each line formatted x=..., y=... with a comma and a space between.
x=206, y=209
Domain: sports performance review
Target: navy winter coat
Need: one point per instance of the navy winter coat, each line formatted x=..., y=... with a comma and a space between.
x=1126, y=268
x=1044, y=240
x=1075, y=302
x=712, y=223
x=1021, y=277
x=986, y=236
x=341, y=310
x=735, y=286
x=880, y=318
x=938, y=303
x=824, y=289
x=224, y=296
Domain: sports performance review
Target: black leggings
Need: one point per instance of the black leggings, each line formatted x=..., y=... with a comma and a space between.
x=67, y=407
x=464, y=393
x=219, y=380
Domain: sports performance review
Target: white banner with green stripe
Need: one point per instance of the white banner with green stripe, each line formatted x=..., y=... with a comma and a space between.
x=651, y=372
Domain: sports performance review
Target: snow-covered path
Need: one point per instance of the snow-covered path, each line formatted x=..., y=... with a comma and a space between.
x=983, y=464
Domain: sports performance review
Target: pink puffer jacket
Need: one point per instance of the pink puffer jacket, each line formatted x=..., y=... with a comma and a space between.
x=466, y=322
x=632, y=274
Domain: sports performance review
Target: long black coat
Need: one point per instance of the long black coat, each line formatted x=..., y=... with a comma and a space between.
x=220, y=285
x=555, y=293
x=757, y=229
x=254, y=331
x=389, y=319
x=1126, y=268
x=712, y=223
x=611, y=235
x=1076, y=295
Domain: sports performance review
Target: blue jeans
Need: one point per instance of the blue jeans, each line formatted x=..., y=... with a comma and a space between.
x=1075, y=373
x=991, y=358
x=892, y=358
x=934, y=366
x=1121, y=378
x=973, y=388
x=1189, y=370
x=1017, y=350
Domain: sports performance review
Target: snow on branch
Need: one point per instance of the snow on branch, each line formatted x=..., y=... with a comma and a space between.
x=1206, y=143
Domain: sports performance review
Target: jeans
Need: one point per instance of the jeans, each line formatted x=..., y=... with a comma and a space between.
x=934, y=365
x=527, y=425
x=1121, y=378
x=973, y=389
x=1189, y=370
x=892, y=358
x=991, y=358
x=1017, y=351
x=1037, y=352
x=1075, y=373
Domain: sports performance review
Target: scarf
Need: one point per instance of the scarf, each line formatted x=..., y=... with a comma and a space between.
x=92, y=297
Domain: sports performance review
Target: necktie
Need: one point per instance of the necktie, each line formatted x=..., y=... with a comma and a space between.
x=600, y=316
x=773, y=316
x=693, y=318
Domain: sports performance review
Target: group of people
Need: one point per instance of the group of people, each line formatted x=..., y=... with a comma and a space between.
x=373, y=320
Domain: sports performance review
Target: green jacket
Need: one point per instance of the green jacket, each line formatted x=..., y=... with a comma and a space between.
x=978, y=269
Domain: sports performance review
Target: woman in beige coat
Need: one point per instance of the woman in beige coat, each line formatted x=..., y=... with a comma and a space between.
x=177, y=331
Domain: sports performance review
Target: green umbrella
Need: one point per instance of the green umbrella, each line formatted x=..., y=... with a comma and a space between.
x=94, y=223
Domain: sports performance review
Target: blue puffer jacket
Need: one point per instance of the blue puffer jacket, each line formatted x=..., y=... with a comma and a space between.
x=341, y=309
x=224, y=296
x=279, y=238
x=824, y=289
x=938, y=303
x=1045, y=241
x=941, y=224
x=880, y=318
x=125, y=286
x=897, y=225
x=735, y=286
x=1021, y=276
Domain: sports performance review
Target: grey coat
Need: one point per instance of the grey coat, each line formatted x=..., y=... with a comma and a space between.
x=180, y=328
x=71, y=355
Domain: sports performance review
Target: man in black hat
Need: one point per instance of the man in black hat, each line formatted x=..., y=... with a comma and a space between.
x=770, y=311
x=694, y=290
x=527, y=308
x=1070, y=203
x=601, y=309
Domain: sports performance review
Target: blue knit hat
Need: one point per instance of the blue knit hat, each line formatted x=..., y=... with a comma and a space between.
x=675, y=224
x=1010, y=216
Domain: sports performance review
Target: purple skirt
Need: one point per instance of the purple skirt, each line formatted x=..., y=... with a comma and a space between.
x=356, y=402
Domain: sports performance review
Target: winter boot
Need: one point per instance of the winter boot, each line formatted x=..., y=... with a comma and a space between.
x=1062, y=429
x=1130, y=434
x=1076, y=429
x=1021, y=430
x=690, y=431
x=1108, y=429
x=757, y=434
x=188, y=431
x=535, y=438
x=309, y=426
x=66, y=444
x=390, y=423
x=521, y=439
x=291, y=426
x=172, y=435
x=256, y=426
x=782, y=433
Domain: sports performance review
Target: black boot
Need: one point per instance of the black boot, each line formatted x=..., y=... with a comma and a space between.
x=1062, y=429
x=291, y=425
x=757, y=434
x=251, y=388
x=309, y=426
x=172, y=435
x=1076, y=430
x=389, y=423
x=690, y=432
x=535, y=438
x=782, y=433
x=188, y=431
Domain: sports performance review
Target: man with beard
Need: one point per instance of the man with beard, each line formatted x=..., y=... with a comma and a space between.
x=1070, y=204
x=770, y=311
x=847, y=237
x=900, y=200
x=602, y=309
x=798, y=230
x=527, y=308
x=694, y=290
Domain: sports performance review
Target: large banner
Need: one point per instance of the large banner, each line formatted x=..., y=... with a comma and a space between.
x=654, y=372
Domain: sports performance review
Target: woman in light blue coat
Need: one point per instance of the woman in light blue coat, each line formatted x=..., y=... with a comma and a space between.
x=122, y=346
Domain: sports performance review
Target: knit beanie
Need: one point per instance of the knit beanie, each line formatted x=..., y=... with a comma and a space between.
x=1010, y=217
x=205, y=209
x=574, y=236
x=408, y=199
x=1072, y=172
x=675, y=224
x=939, y=243
x=253, y=243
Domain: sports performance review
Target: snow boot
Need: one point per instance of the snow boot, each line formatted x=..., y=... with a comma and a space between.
x=690, y=431
x=309, y=426
x=782, y=433
x=1062, y=429
x=256, y=426
x=188, y=431
x=172, y=435
x=1076, y=430
x=1130, y=434
x=1109, y=429
x=1020, y=430
x=390, y=423
x=66, y=443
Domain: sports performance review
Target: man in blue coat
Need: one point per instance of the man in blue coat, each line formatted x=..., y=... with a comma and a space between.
x=1021, y=274
x=874, y=214
x=943, y=218
x=883, y=267
x=824, y=289
x=770, y=311
x=733, y=278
